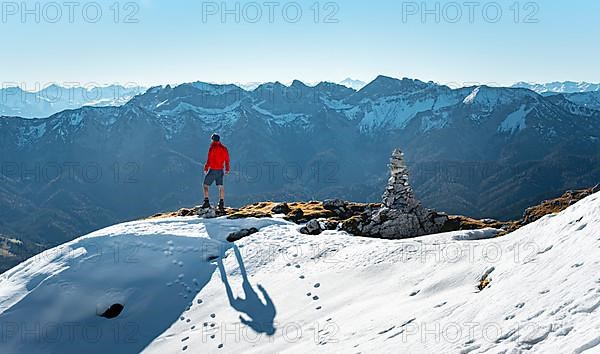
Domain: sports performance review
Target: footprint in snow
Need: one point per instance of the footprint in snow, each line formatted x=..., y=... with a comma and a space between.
x=184, y=348
x=315, y=298
x=220, y=346
x=317, y=285
x=302, y=277
x=386, y=330
x=414, y=293
x=184, y=339
x=576, y=265
x=520, y=305
x=440, y=305
x=212, y=315
x=308, y=294
x=199, y=301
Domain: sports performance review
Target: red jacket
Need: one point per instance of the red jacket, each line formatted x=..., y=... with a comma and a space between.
x=217, y=156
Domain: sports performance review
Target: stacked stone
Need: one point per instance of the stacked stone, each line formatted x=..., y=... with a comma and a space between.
x=398, y=193
x=401, y=215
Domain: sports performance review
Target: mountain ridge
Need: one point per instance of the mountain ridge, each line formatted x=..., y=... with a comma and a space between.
x=299, y=142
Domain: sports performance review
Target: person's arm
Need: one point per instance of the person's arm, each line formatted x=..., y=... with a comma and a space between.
x=208, y=159
x=226, y=160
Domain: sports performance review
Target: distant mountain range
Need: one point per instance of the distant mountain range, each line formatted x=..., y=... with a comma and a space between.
x=479, y=151
x=53, y=99
x=581, y=93
x=559, y=87
x=15, y=101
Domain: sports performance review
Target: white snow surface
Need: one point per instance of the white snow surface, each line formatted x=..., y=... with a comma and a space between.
x=516, y=121
x=295, y=293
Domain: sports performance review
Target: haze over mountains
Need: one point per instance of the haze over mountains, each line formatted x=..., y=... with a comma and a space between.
x=18, y=102
x=478, y=151
x=15, y=101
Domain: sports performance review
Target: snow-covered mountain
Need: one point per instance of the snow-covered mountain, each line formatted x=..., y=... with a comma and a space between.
x=467, y=148
x=176, y=285
x=353, y=84
x=53, y=99
x=559, y=87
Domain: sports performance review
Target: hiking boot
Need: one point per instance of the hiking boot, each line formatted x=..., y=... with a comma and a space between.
x=206, y=204
x=221, y=206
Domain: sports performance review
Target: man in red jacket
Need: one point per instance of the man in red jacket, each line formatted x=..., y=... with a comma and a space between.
x=218, y=155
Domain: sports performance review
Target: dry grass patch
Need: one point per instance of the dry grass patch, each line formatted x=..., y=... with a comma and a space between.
x=256, y=210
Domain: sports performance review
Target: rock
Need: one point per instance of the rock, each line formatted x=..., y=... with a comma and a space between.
x=331, y=224
x=295, y=215
x=206, y=213
x=313, y=227
x=281, y=208
x=352, y=225
x=333, y=204
x=185, y=212
x=488, y=221
x=238, y=235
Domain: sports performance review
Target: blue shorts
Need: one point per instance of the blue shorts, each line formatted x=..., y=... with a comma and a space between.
x=214, y=176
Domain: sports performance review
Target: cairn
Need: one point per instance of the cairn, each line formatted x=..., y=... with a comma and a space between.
x=401, y=215
x=398, y=193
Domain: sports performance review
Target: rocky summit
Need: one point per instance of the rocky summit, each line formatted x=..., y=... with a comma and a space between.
x=399, y=216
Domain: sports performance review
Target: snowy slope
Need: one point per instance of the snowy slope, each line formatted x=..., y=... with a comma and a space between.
x=280, y=291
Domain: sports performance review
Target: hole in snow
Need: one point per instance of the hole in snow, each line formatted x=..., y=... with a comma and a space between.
x=113, y=311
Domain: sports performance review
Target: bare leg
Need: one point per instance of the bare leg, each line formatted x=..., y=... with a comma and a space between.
x=222, y=192
x=205, y=191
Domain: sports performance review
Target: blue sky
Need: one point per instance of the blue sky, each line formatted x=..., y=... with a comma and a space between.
x=182, y=41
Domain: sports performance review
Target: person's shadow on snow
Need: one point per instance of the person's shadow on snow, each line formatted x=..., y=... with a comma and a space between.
x=261, y=315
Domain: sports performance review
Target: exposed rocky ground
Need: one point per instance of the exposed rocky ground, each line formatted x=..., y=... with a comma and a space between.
x=400, y=215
